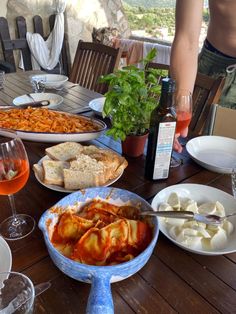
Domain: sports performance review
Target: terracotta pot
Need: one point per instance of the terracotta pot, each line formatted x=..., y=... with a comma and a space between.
x=133, y=145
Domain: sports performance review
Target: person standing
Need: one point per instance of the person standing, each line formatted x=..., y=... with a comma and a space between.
x=218, y=54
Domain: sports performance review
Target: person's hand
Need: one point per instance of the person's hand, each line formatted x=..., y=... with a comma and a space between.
x=177, y=146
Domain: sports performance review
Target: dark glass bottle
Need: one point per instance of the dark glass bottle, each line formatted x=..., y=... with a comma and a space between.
x=161, y=134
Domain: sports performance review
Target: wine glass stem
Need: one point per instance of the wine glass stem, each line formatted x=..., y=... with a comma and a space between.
x=13, y=208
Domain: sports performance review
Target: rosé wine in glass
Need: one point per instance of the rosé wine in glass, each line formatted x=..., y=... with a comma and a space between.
x=183, y=109
x=12, y=185
x=14, y=173
x=183, y=121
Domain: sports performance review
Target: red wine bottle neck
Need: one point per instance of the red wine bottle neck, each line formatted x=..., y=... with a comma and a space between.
x=166, y=100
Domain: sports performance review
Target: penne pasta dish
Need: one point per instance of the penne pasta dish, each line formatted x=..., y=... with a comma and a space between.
x=45, y=120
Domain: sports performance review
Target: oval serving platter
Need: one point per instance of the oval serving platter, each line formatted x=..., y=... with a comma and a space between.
x=48, y=137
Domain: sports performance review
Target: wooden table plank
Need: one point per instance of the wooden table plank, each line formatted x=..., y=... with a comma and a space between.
x=210, y=287
x=173, y=289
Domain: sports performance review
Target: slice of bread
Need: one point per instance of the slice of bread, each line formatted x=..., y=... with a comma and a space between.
x=114, y=163
x=38, y=170
x=65, y=151
x=84, y=172
x=53, y=171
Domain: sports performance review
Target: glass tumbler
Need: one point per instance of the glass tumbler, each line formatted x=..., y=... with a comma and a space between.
x=38, y=85
x=16, y=293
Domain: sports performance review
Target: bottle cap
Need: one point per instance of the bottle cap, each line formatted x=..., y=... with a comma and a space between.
x=168, y=85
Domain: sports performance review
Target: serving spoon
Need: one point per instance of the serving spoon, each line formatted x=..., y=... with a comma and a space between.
x=183, y=214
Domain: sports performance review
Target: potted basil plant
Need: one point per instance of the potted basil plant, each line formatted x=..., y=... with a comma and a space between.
x=133, y=94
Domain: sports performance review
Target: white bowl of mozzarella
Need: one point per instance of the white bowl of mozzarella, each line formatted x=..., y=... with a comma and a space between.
x=192, y=235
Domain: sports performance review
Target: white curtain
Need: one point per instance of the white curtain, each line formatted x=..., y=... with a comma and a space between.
x=46, y=54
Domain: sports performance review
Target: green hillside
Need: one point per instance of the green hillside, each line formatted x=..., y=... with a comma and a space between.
x=150, y=19
x=153, y=19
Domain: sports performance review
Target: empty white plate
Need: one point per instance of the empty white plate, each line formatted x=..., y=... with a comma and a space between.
x=54, y=99
x=97, y=105
x=215, y=153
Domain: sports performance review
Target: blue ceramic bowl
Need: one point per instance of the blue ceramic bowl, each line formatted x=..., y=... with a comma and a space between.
x=100, y=277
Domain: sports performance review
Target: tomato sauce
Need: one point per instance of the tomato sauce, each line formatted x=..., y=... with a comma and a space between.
x=102, y=234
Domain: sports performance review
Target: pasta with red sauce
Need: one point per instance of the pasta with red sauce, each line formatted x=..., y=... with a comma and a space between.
x=101, y=234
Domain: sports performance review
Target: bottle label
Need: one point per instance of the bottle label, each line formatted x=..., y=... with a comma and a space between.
x=164, y=149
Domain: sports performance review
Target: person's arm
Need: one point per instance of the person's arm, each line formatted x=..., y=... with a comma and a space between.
x=184, y=51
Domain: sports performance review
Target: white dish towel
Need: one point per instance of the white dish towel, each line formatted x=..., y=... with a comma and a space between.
x=46, y=54
x=163, y=52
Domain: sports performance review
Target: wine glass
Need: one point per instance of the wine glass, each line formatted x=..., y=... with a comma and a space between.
x=14, y=173
x=183, y=109
x=17, y=293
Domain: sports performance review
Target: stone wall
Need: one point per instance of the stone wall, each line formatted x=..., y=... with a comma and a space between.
x=80, y=17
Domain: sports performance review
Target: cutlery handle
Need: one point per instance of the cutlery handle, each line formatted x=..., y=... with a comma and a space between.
x=35, y=104
x=183, y=214
x=83, y=109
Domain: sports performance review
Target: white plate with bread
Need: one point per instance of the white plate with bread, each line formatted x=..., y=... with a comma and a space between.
x=70, y=166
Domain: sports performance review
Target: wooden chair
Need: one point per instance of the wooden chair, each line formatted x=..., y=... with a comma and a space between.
x=223, y=121
x=91, y=61
x=207, y=91
x=159, y=66
x=164, y=69
x=20, y=43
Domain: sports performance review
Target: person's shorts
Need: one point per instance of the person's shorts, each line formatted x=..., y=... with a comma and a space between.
x=215, y=65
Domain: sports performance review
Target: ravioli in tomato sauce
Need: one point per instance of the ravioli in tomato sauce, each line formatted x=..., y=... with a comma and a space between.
x=101, y=234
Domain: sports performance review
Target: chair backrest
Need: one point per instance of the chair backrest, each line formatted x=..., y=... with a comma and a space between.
x=91, y=61
x=223, y=121
x=158, y=66
x=207, y=91
x=20, y=43
x=164, y=69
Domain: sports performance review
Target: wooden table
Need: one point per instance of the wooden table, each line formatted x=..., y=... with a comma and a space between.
x=173, y=281
x=76, y=98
